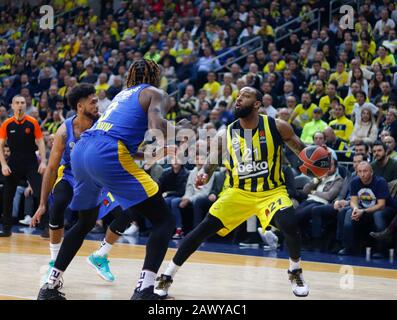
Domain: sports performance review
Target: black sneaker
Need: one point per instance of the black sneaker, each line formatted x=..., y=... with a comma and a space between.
x=164, y=283
x=253, y=240
x=5, y=233
x=47, y=293
x=383, y=235
x=145, y=294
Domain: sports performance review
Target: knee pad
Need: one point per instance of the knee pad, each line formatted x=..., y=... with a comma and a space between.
x=120, y=224
x=57, y=215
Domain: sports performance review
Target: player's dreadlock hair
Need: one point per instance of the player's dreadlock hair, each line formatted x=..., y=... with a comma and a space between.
x=143, y=71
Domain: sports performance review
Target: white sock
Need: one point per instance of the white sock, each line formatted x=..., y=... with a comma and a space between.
x=104, y=249
x=54, y=277
x=146, y=280
x=294, y=265
x=54, y=249
x=171, y=269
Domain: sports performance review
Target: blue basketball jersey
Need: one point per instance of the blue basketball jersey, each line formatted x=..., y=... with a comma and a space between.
x=124, y=119
x=71, y=140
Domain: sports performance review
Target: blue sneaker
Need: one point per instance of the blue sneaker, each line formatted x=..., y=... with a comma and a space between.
x=44, y=278
x=101, y=265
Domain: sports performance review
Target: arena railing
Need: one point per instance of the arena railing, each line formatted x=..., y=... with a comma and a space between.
x=252, y=46
x=283, y=31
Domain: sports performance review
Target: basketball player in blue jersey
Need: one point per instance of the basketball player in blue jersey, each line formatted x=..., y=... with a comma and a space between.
x=104, y=158
x=58, y=181
x=257, y=186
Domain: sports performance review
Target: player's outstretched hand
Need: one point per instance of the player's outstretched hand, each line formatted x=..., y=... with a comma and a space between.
x=37, y=216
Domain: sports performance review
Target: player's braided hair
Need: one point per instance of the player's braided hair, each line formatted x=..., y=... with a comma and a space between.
x=143, y=71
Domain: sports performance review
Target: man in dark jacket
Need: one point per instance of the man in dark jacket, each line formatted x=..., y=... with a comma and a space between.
x=172, y=185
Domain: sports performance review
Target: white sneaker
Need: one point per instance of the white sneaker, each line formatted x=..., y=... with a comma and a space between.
x=299, y=286
x=132, y=230
x=26, y=221
x=269, y=238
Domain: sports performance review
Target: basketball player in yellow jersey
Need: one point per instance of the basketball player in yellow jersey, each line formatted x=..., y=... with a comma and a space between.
x=253, y=157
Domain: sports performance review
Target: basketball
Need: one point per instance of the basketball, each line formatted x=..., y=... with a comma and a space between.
x=316, y=161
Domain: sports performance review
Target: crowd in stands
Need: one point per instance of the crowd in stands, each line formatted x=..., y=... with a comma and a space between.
x=334, y=86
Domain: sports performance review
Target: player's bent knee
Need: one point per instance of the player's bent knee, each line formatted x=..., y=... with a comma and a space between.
x=286, y=221
x=120, y=224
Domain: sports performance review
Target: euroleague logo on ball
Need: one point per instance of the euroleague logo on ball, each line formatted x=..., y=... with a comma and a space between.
x=316, y=161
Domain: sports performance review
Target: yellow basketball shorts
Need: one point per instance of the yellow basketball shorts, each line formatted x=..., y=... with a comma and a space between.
x=234, y=206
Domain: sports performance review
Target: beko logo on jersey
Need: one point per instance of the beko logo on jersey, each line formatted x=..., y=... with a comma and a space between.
x=235, y=141
x=253, y=169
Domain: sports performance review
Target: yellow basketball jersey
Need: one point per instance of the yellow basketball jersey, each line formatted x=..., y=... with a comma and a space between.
x=254, y=159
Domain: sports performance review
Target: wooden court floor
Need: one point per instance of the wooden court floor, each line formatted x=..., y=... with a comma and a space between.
x=215, y=276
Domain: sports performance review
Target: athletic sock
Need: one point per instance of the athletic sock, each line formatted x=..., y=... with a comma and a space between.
x=171, y=269
x=146, y=279
x=54, y=249
x=104, y=249
x=54, y=277
x=294, y=265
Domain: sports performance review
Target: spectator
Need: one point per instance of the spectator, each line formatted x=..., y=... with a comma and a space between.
x=184, y=74
x=350, y=100
x=382, y=24
x=189, y=103
x=390, y=123
x=391, y=147
x=361, y=98
x=320, y=192
x=366, y=129
x=192, y=194
x=206, y=64
x=315, y=125
x=268, y=106
x=339, y=145
x=325, y=102
x=303, y=112
x=342, y=126
x=53, y=121
x=370, y=206
x=212, y=86
x=383, y=166
x=172, y=185
x=102, y=83
x=53, y=97
x=386, y=95
x=340, y=75
x=115, y=88
x=103, y=101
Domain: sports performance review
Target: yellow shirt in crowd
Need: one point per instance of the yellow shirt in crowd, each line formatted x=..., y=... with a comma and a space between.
x=343, y=127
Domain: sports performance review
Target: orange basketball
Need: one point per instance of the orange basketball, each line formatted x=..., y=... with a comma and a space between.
x=316, y=161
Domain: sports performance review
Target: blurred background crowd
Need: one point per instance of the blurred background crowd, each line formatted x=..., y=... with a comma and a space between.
x=336, y=86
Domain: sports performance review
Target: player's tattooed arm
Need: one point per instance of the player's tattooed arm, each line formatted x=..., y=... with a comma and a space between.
x=158, y=104
x=289, y=137
x=216, y=158
x=158, y=101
